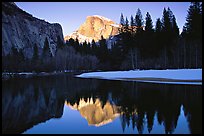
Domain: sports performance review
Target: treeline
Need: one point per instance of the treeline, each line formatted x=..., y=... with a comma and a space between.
x=142, y=46
x=139, y=45
x=162, y=47
x=64, y=58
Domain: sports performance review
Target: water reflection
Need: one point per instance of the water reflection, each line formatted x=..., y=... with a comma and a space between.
x=28, y=102
x=94, y=113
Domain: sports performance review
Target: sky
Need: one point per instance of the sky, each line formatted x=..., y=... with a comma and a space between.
x=72, y=14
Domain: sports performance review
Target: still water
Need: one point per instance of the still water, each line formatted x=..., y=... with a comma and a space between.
x=64, y=104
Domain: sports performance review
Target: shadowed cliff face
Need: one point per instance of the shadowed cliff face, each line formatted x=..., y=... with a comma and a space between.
x=22, y=31
x=93, y=28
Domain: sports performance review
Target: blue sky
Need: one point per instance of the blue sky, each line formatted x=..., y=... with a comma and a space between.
x=72, y=14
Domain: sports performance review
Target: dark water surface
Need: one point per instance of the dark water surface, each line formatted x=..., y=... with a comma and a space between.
x=64, y=104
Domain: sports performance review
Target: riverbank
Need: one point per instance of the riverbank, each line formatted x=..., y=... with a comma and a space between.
x=175, y=76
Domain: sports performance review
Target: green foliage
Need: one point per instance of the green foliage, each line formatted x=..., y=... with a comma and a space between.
x=148, y=23
x=122, y=21
x=132, y=21
x=138, y=18
x=193, y=25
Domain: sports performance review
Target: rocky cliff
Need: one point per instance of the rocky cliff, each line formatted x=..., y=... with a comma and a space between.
x=22, y=31
x=93, y=28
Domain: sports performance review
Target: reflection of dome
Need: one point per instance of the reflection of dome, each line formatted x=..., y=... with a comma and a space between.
x=94, y=113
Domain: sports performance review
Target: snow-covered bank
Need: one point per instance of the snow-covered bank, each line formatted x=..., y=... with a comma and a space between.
x=179, y=76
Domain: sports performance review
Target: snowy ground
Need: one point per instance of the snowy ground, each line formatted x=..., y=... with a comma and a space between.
x=174, y=76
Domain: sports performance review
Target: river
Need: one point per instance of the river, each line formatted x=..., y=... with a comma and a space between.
x=64, y=104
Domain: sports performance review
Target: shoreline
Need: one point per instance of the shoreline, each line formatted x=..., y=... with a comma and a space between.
x=153, y=80
x=170, y=76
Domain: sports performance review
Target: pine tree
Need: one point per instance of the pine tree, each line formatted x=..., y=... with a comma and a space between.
x=158, y=26
x=77, y=45
x=93, y=47
x=84, y=48
x=125, y=27
x=148, y=37
x=166, y=22
x=148, y=23
x=126, y=22
x=132, y=22
x=158, y=30
x=138, y=19
x=193, y=23
x=103, y=54
x=192, y=34
x=175, y=28
x=122, y=21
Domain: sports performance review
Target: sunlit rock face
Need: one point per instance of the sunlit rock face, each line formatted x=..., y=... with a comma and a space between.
x=94, y=112
x=22, y=31
x=93, y=28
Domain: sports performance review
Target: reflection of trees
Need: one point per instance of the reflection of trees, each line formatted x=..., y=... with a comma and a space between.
x=165, y=100
x=193, y=109
x=140, y=101
x=140, y=104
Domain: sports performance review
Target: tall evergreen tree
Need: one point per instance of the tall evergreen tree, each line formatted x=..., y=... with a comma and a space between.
x=148, y=47
x=126, y=22
x=148, y=23
x=158, y=26
x=132, y=22
x=126, y=25
x=103, y=54
x=122, y=21
x=93, y=47
x=158, y=36
x=192, y=34
x=193, y=23
x=166, y=22
x=77, y=45
x=138, y=18
x=158, y=30
x=175, y=28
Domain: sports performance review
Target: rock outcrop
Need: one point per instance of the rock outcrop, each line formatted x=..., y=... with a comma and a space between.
x=22, y=31
x=93, y=28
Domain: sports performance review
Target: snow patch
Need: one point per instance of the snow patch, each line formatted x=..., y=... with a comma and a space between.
x=175, y=74
x=115, y=25
x=101, y=17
